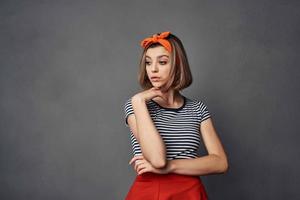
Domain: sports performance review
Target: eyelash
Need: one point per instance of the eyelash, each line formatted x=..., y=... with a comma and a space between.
x=164, y=62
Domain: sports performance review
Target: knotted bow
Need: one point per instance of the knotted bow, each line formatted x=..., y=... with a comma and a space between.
x=158, y=39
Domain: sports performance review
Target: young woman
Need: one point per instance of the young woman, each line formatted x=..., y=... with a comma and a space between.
x=167, y=127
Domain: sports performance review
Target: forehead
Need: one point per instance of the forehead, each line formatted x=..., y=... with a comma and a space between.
x=158, y=51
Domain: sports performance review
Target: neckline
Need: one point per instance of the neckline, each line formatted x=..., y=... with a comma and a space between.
x=172, y=109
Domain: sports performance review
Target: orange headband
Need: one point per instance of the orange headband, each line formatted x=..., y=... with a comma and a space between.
x=158, y=39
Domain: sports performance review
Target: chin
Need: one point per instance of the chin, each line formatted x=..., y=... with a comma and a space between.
x=156, y=85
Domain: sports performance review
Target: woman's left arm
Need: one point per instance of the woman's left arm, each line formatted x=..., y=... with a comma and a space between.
x=214, y=162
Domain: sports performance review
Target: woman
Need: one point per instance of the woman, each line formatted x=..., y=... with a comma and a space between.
x=166, y=127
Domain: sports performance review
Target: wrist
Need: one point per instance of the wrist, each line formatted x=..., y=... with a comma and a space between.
x=138, y=99
x=170, y=166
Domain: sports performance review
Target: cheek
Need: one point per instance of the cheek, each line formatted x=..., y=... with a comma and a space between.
x=166, y=70
x=147, y=72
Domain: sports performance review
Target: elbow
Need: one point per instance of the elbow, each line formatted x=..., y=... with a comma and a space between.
x=159, y=163
x=224, y=166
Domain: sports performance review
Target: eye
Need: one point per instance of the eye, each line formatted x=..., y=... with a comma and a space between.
x=163, y=62
x=147, y=63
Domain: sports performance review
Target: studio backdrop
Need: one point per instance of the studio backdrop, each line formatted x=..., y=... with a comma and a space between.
x=67, y=68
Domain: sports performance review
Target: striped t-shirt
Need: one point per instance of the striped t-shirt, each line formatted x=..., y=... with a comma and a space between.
x=178, y=127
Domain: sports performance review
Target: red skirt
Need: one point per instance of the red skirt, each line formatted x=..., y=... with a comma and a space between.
x=152, y=186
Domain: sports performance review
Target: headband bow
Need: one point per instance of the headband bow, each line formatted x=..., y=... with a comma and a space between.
x=158, y=39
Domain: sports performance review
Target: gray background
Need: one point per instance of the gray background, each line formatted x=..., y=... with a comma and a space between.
x=67, y=67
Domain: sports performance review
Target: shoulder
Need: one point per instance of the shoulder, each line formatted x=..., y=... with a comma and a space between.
x=127, y=102
x=202, y=105
x=195, y=103
x=128, y=110
x=127, y=105
x=198, y=105
x=202, y=110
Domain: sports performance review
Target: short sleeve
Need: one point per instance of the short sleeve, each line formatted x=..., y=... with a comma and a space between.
x=203, y=111
x=128, y=110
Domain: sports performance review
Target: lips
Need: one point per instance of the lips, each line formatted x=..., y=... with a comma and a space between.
x=154, y=77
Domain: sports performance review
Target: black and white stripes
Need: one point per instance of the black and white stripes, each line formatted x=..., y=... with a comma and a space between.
x=178, y=127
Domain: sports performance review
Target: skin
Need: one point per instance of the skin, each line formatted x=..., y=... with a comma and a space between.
x=141, y=124
x=158, y=64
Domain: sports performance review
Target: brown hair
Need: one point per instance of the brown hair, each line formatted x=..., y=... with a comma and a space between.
x=180, y=74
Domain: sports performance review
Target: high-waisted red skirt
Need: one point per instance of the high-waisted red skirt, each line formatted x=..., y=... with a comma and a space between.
x=152, y=186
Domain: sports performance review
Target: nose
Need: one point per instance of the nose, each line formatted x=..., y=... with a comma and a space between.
x=154, y=67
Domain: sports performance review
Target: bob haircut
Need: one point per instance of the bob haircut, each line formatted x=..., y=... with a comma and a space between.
x=180, y=76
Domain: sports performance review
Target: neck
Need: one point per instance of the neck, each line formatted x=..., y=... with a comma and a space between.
x=170, y=97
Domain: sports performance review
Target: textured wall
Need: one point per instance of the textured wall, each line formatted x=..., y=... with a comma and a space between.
x=67, y=67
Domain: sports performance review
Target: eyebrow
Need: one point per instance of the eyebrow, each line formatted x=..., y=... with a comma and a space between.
x=157, y=56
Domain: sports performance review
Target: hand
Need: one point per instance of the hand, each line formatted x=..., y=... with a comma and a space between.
x=141, y=165
x=147, y=95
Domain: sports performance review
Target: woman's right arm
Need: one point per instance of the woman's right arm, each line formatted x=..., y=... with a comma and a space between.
x=151, y=143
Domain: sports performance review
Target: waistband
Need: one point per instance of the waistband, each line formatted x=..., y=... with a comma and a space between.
x=147, y=176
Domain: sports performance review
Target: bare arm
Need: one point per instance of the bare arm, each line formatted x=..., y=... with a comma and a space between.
x=214, y=162
x=143, y=128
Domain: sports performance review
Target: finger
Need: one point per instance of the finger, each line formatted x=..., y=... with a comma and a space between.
x=132, y=159
x=138, y=164
x=143, y=171
x=141, y=164
x=140, y=167
x=136, y=167
x=135, y=158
